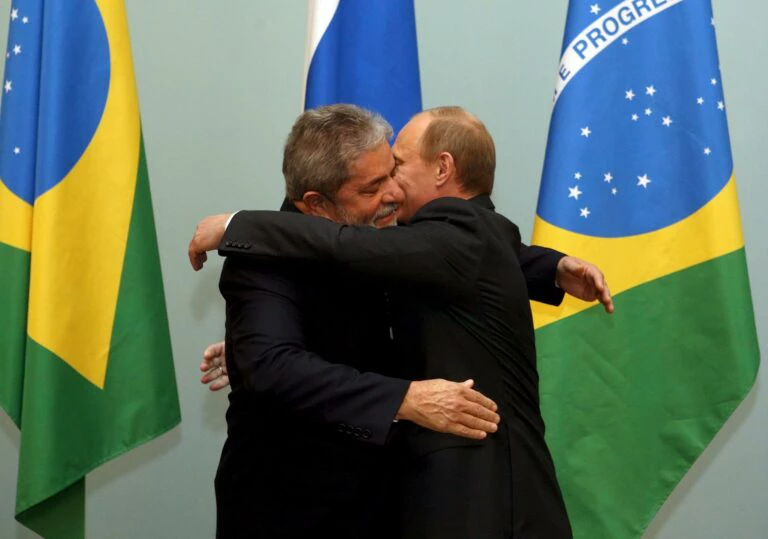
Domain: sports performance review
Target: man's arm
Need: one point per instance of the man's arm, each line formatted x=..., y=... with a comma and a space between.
x=539, y=265
x=434, y=252
x=268, y=348
x=551, y=274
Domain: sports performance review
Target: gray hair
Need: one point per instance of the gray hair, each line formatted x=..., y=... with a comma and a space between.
x=324, y=142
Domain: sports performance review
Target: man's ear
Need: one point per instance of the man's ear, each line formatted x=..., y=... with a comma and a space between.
x=446, y=168
x=313, y=203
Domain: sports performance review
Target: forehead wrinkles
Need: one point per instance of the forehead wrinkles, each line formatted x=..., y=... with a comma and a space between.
x=409, y=141
x=374, y=165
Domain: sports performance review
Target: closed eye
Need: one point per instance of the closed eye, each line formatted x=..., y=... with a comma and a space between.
x=373, y=187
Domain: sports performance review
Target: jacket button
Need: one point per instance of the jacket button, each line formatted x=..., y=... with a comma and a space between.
x=366, y=434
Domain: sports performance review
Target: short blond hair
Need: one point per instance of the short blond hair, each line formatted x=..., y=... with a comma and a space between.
x=456, y=131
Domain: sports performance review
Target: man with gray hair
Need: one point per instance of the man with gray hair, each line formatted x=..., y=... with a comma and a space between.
x=321, y=156
x=308, y=352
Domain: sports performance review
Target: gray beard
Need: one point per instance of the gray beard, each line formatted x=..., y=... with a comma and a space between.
x=348, y=220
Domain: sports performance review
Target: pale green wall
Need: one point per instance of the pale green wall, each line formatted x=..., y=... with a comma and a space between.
x=220, y=84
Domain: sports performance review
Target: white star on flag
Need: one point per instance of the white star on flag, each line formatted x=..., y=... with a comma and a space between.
x=595, y=9
x=700, y=101
x=17, y=49
x=635, y=117
x=643, y=181
x=648, y=112
x=25, y=20
x=585, y=132
x=8, y=86
x=614, y=191
x=14, y=14
x=630, y=94
x=667, y=121
x=577, y=175
x=650, y=90
x=707, y=151
x=17, y=150
x=720, y=105
x=625, y=41
x=574, y=192
x=607, y=177
x=714, y=82
x=585, y=212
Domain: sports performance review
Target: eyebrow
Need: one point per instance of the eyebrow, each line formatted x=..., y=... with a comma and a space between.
x=375, y=181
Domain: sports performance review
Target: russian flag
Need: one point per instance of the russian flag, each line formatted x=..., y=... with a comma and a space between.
x=364, y=53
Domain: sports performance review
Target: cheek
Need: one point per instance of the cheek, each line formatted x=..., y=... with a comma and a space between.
x=404, y=182
x=369, y=207
x=414, y=193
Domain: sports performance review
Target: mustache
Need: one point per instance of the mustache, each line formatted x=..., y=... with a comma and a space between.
x=384, y=211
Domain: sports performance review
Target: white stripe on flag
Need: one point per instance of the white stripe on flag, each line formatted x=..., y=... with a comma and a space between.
x=596, y=37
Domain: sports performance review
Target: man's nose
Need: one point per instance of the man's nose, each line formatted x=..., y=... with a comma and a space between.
x=393, y=193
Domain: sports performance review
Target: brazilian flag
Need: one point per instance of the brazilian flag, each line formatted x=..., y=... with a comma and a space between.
x=638, y=178
x=84, y=342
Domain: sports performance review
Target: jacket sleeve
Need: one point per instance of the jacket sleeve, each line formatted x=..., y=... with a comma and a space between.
x=539, y=265
x=439, y=249
x=267, y=346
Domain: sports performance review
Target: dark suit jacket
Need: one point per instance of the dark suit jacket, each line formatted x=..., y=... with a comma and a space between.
x=462, y=313
x=309, y=412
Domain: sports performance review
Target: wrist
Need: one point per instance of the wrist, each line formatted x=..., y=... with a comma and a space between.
x=559, y=270
x=406, y=407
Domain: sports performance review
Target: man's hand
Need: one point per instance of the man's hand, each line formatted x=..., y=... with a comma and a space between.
x=450, y=407
x=583, y=280
x=215, y=367
x=208, y=234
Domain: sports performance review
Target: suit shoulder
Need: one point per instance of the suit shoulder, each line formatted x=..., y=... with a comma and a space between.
x=447, y=204
x=506, y=224
x=448, y=209
x=240, y=274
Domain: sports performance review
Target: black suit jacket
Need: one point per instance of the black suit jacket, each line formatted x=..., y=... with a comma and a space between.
x=309, y=410
x=462, y=313
x=539, y=264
